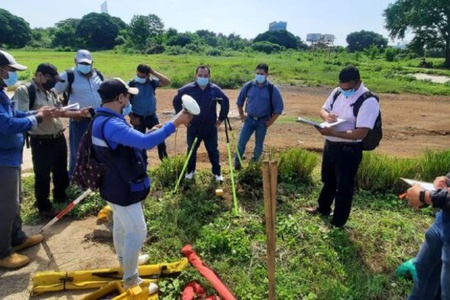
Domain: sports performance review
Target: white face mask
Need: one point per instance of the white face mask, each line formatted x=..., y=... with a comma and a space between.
x=85, y=69
x=140, y=80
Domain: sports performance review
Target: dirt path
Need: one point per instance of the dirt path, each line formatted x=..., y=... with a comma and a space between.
x=67, y=247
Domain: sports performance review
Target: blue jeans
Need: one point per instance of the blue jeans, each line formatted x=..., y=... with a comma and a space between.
x=129, y=233
x=433, y=265
x=251, y=126
x=76, y=131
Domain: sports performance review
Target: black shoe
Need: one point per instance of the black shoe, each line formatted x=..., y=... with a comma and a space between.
x=48, y=213
x=64, y=199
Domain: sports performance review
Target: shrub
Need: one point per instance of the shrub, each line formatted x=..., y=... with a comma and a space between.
x=167, y=172
x=297, y=165
x=390, y=54
x=381, y=173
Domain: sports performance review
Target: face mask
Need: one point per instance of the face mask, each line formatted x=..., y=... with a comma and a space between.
x=84, y=69
x=12, y=78
x=48, y=85
x=140, y=80
x=348, y=93
x=127, y=109
x=202, y=81
x=260, y=78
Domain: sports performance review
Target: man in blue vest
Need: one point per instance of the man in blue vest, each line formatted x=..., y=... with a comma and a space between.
x=126, y=183
x=143, y=114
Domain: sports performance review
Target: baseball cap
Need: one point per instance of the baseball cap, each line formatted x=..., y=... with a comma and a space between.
x=83, y=55
x=49, y=69
x=349, y=73
x=7, y=59
x=111, y=88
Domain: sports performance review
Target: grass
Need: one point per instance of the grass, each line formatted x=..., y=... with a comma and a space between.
x=232, y=70
x=313, y=260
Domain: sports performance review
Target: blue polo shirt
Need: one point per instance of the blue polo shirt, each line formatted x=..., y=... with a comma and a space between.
x=144, y=103
x=258, y=100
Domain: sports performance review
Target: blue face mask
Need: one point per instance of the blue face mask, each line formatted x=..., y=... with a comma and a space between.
x=84, y=69
x=348, y=93
x=202, y=81
x=260, y=78
x=12, y=78
x=140, y=80
x=127, y=109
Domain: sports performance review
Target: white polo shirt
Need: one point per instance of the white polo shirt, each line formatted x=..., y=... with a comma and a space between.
x=343, y=108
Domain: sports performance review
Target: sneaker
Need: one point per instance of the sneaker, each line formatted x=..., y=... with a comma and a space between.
x=189, y=176
x=142, y=259
x=15, y=260
x=219, y=178
x=30, y=241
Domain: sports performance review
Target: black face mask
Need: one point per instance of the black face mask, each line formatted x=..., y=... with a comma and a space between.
x=48, y=85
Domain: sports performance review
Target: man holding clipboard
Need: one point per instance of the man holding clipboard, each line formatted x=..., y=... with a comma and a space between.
x=342, y=152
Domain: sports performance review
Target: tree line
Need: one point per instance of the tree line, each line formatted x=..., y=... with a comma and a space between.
x=429, y=21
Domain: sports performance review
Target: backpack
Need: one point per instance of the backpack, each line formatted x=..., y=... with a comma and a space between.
x=70, y=79
x=269, y=86
x=132, y=83
x=88, y=171
x=374, y=136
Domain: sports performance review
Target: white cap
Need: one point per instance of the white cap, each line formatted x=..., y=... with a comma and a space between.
x=83, y=55
x=7, y=59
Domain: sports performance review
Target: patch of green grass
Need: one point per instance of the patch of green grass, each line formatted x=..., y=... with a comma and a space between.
x=302, y=68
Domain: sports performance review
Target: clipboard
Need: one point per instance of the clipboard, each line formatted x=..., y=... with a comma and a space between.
x=321, y=125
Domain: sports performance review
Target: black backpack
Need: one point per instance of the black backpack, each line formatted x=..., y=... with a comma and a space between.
x=88, y=171
x=269, y=86
x=70, y=79
x=374, y=136
x=132, y=83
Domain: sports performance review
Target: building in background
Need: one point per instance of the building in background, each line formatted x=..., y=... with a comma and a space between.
x=320, y=39
x=104, y=8
x=277, y=26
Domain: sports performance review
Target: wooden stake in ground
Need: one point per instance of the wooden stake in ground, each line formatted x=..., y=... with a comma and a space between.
x=270, y=172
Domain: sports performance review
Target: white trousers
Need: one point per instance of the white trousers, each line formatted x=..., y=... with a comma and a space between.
x=129, y=233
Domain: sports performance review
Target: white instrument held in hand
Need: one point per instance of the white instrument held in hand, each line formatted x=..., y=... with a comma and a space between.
x=190, y=105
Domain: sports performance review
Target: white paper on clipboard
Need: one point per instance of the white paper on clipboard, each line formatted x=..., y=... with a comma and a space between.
x=74, y=106
x=426, y=185
x=321, y=125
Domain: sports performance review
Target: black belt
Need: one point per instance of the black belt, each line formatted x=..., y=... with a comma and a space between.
x=351, y=144
x=48, y=136
x=258, y=118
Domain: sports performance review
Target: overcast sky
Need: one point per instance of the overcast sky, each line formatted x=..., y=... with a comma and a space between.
x=246, y=18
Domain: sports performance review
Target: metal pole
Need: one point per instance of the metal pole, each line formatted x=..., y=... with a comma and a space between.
x=230, y=164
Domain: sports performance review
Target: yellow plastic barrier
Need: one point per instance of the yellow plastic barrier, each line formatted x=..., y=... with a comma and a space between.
x=58, y=281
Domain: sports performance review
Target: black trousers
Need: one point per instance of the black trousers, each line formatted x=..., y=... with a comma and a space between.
x=49, y=158
x=340, y=164
x=149, y=122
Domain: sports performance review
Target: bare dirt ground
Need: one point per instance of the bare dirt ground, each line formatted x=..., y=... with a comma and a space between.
x=411, y=124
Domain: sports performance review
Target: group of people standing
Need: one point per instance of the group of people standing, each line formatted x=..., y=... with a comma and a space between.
x=122, y=146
